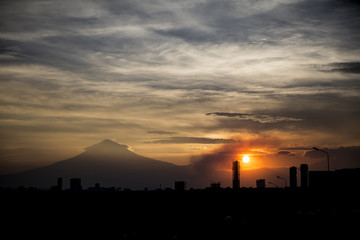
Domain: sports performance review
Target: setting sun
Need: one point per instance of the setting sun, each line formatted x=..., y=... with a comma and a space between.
x=246, y=159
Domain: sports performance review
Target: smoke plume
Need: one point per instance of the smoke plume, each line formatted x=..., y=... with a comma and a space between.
x=221, y=158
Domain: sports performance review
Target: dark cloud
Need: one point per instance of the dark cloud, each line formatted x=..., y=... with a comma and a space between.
x=184, y=140
x=330, y=83
x=207, y=86
x=271, y=22
x=256, y=118
x=162, y=132
x=324, y=22
x=295, y=148
x=336, y=119
x=76, y=124
x=65, y=35
x=283, y=153
x=345, y=67
x=286, y=153
x=187, y=34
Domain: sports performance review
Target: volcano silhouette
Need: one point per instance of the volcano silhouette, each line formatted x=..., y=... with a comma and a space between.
x=108, y=163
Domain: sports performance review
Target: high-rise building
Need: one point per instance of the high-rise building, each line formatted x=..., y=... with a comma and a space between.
x=304, y=169
x=59, y=184
x=260, y=183
x=293, y=177
x=179, y=185
x=236, y=179
x=75, y=184
x=215, y=185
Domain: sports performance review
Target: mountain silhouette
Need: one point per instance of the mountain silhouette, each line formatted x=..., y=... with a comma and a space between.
x=113, y=164
x=107, y=163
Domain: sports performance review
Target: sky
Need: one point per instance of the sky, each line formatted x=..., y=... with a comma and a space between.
x=178, y=80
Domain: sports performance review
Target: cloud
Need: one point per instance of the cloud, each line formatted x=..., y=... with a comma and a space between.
x=255, y=118
x=286, y=153
x=162, y=132
x=345, y=67
x=186, y=140
x=295, y=148
x=342, y=67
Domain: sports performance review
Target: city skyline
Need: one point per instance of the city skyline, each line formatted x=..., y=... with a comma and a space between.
x=115, y=165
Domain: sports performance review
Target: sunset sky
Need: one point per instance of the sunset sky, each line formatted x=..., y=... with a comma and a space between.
x=178, y=80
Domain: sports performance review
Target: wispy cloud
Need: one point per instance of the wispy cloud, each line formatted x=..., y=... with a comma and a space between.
x=343, y=67
x=286, y=153
x=160, y=132
x=186, y=140
x=295, y=148
x=256, y=118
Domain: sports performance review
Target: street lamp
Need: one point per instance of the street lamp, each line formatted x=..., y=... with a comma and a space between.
x=283, y=179
x=273, y=184
x=327, y=155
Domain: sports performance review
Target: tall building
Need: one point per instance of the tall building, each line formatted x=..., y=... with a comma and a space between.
x=75, y=184
x=260, y=183
x=304, y=175
x=59, y=184
x=179, y=185
x=236, y=179
x=293, y=177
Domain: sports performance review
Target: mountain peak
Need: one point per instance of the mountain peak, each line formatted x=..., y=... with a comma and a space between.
x=110, y=142
x=107, y=145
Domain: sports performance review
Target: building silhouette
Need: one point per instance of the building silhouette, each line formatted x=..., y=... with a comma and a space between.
x=293, y=177
x=304, y=169
x=75, y=184
x=338, y=179
x=236, y=179
x=59, y=184
x=179, y=186
x=348, y=178
x=260, y=183
x=98, y=188
x=321, y=179
x=215, y=185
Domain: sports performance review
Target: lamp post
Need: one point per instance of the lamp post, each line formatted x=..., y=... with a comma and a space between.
x=327, y=155
x=273, y=184
x=283, y=179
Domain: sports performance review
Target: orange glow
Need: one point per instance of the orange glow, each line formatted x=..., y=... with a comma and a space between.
x=246, y=159
x=261, y=150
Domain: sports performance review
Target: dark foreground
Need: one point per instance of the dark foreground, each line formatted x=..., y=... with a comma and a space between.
x=197, y=214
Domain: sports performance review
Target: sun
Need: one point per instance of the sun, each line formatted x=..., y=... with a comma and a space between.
x=246, y=159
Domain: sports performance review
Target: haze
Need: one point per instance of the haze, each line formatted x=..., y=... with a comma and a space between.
x=179, y=81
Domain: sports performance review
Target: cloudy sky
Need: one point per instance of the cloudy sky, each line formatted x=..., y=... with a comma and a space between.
x=177, y=79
